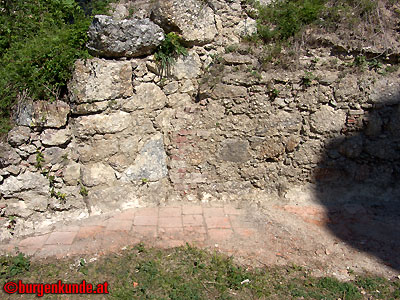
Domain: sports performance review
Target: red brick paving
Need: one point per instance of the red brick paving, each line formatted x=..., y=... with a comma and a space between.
x=200, y=225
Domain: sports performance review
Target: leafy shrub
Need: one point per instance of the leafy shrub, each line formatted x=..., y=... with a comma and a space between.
x=39, y=42
x=168, y=51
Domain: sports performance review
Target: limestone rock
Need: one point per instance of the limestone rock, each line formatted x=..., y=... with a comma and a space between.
x=352, y=147
x=246, y=27
x=194, y=19
x=97, y=150
x=102, y=124
x=9, y=156
x=18, y=135
x=99, y=80
x=235, y=150
x=55, y=137
x=24, y=182
x=72, y=173
x=327, y=120
x=43, y=114
x=186, y=67
x=150, y=164
x=148, y=96
x=89, y=108
x=97, y=174
x=124, y=38
x=272, y=149
x=54, y=155
x=228, y=91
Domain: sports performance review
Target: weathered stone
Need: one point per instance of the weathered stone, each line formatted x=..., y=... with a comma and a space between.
x=177, y=99
x=228, y=91
x=186, y=67
x=90, y=108
x=374, y=126
x=148, y=96
x=43, y=114
x=280, y=122
x=102, y=124
x=55, y=137
x=308, y=153
x=54, y=155
x=246, y=27
x=327, y=120
x=9, y=156
x=120, y=12
x=382, y=149
x=96, y=80
x=73, y=200
x=235, y=151
x=35, y=201
x=238, y=59
x=72, y=173
x=385, y=91
x=150, y=164
x=291, y=143
x=97, y=150
x=28, y=148
x=13, y=170
x=97, y=174
x=110, y=198
x=18, y=135
x=171, y=87
x=192, y=18
x=352, y=147
x=24, y=182
x=272, y=149
x=125, y=38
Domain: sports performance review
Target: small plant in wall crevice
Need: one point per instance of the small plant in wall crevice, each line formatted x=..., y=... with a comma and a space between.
x=168, y=51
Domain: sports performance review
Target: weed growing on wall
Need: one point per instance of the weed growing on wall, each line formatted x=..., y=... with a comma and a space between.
x=168, y=51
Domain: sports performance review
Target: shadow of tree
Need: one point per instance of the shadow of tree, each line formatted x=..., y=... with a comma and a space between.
x=358, y=180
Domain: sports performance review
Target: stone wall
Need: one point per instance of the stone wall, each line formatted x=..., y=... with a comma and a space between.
x=216, y=127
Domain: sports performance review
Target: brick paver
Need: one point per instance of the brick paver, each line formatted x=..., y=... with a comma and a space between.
x=145, y=220
x=192, y=220
x=218, y=222
x=62, y=238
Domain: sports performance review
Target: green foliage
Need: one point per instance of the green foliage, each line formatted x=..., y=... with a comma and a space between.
x=39, y=160
x=168, y=51
x=39, y=42
x=283, y=19
x=12, y=266
x=84, y=191
x=306, y=79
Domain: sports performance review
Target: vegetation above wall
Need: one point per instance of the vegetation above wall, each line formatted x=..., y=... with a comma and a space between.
x=39, y=42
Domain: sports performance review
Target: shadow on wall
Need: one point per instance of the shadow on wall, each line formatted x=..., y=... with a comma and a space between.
x=358, y=181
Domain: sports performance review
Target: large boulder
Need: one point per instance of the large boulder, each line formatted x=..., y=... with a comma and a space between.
x=43, y=114
x=124, y=38
x=193, y=19
x=99, y=80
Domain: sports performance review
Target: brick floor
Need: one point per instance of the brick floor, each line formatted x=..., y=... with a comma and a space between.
x=170, y=221
x=34, y=242
x=192, y=210
x=163, y=227
x=192, y=220
x=213, y=211
x=119, y=225
x=218, y=222
x=62, y=238
x=88, y=232
x=145, y=220
x=170, y=212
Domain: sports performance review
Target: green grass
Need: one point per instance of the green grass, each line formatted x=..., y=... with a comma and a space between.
x=191, y=273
